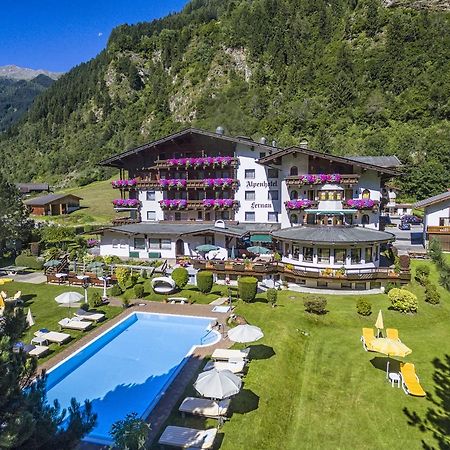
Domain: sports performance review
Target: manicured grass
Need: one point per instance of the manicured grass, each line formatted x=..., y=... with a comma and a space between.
x=323, y=391
x=40, y=298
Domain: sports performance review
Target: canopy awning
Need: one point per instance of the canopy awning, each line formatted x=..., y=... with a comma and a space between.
x=331, y=211
x=261, y=238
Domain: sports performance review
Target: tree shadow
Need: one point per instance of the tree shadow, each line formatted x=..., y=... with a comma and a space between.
x=436, y=420
x=261, y=351
x=245, y=402
x=28, y=299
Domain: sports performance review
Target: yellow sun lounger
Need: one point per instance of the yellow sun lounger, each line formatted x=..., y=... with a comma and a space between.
x=410, y=380
x=392, y=333
x=368, y=336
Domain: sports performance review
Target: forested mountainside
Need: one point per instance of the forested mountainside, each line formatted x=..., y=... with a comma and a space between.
x=351, y=76
x=17, y=95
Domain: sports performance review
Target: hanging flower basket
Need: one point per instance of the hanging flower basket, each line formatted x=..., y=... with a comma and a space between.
x=126, y=203
x=298, y=204
x=124, y=183
x=173, y=204
x=218, y=203
x=173, y=183
x=361, y=203
x=208, y=161
x=321, y=178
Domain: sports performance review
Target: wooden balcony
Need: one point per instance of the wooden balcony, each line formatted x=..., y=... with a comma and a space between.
x=165, y=164
x=372, y=208
x=438, y=229
x=125, y=221
x=346, y=179
x=190, y=184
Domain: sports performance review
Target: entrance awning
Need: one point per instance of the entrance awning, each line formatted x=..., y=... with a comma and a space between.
x=261, y=238
x=331, y=211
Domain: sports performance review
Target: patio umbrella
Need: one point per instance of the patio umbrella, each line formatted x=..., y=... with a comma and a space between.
x=68, y=298
x=30, y=320
x=390, y=347
x=245, y=333
x=218, y=384
x=233, y=253
x=205, y=248
x=52, y=263
x=258, y=250
x=379, y=324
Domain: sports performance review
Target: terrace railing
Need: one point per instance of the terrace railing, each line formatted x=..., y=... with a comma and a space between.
x=190, y=184
x=438, y=229
x=345, y=179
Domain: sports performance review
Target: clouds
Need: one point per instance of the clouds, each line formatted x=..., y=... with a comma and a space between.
x=100, y=34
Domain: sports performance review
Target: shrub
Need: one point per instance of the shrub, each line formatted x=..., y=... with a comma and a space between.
x=435, y=252
x=431, y=294
x=422, y=273
x=115, y=291
x=247, y=287
x=139, y=291
x=144, y=274
x=204, y=281
x=122, y=275
x=29, y=261
x=181, y=277
x=132, y=280
x=391, y=286
x=444, y=278
x=363, y=307
x=95, y=300
x=316, y=305
x=125, y=302
x=403, y=300
x=272, y=295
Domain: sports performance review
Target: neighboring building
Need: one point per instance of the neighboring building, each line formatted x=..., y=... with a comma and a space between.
x=32, y=188
x=196, y=187
x=394, y=209
x=53, y=204
x=436, y=221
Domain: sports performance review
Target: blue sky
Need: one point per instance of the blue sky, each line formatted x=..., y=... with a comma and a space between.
x=57, y=35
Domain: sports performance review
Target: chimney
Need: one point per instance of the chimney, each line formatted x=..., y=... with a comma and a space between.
x=220, y=131
x=304, y=143
x=263, y=140
x=274, y=143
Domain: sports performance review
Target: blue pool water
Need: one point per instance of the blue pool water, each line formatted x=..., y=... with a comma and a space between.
x=127, y=368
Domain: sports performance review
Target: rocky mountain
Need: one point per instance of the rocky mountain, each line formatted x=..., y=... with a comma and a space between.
x=351, y=76
x=22, y=73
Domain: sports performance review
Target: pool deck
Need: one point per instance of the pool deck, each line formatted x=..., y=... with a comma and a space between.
x=162, y=410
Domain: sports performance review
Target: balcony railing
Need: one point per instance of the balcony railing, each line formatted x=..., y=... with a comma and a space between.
x=190, y=184
x=183, y=205
x=361, y=204
x=345, y=179
x=438, y=229
x=297, y=205
x=197, y=163
x=125, y=221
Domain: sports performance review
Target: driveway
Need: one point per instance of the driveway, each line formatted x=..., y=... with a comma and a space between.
x=410, y=240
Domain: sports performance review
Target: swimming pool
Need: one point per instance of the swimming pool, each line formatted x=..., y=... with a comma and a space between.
x=127, y=368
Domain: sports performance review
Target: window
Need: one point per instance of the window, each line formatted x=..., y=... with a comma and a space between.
x=115, y=243
x=340, y=255
x=355, y=255
x=295, y=251
x=377, y=252
x=311, y=195
x=294, y=218
x=166, y=244
x=151, y=215
x=272, y=217
x=177, y=216
x=294, y=195
x=346, y=285
x=153, y=243
x=139, y=243
x=273, y=195
x=323, y=255
x=249, y=216
x=366, y=193
x=308, y=253
x=123, y=243
x=249, y=195
x=322, y=284
x=272, y=173
x=250, y=174
x=365, y=219
x=294, y=171
x=156, y=244
x=368, y=254
x=262, y=154
x=151, y=195
x=322, y=195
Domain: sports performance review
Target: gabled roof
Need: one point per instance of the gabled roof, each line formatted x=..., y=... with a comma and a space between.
x=46, y=199
x=433, y=200
x=382, y=161
x=115, y=160
x=346, y=160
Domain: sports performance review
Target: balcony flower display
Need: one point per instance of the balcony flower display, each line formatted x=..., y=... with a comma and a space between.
x=218, y=202
x=173, y=183
x=321, y=178
x=361, y=203
x=126, y=203
x=216, y=161
x=298, y=204
x=173, y=204
x=124, y=183
x=218, y=182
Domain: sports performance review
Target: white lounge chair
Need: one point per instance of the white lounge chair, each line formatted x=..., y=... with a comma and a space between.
x=53, y=336
x=227, y=355
x=235, y=367
x=163, y=285
x=204, y=407
x=74, y=324
x=38, y=351
x=91, y=316
x=191, y=438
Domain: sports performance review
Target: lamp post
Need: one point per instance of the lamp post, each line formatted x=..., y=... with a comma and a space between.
x=105, y=285
x=85, y=287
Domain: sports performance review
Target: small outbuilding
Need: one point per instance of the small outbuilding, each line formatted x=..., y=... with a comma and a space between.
x=53, y=204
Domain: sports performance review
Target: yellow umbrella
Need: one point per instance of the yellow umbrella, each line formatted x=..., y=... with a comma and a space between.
x=5, y=280
x=379, y=324
x=2, y=303
x=390, y=347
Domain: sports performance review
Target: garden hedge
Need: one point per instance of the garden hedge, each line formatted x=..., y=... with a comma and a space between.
x=247, y=287
x=29, y=261
x=181, y=277
x=204, y=281
x=403, y=300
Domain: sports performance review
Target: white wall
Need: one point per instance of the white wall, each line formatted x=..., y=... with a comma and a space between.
x=151, y=205
x=434, y=212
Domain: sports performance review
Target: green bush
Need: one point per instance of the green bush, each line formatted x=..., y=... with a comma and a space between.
x=247, y=288
x=363, y=307
x=115, y=291
x=431, y=294
x=29, y=261
x=272, y=295
x=422, y=273
x=204, y=281
x=316, y=305
x=181, y=277
x=95, y=300
x=403, y=300
x=132, y=280
x=144, y=274
x=391, y=286
x=122, y=274
x=139, y=291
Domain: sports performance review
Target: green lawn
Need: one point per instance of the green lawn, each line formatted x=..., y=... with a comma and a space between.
x=46, y=311
x=324, y=391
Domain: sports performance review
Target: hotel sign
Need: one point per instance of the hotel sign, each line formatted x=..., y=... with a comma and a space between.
x=261, y=184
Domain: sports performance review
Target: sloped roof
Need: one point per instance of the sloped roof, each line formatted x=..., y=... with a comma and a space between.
x=46, y=199
x=433, y=200
x=382, y=161
x=27, y=187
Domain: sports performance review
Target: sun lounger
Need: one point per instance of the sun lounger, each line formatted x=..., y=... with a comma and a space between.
x=74, y=324
x=392, y=333
x=235, y=367
x=31, y=350
x=410, y=380
x=91, y=316
x=53, y=336
x=181, y=300
x=368, y=336
x=204, y=407
x=227, y=355
x=191, y=438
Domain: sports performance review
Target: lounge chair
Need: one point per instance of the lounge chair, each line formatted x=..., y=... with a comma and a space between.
x=53, y=336
x=227, y=355
x=74, y=324
x=4, y=295
x=368, y=336
x=91, y=316
x=191, y=438
x=235, y=367
x=410, y=380
x=31, y=350
x=204, y=407
x=392, y=333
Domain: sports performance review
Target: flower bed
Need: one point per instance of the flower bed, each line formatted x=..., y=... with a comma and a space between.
x=218, y=182
x=217, y=161
x=320, y=178
x=298, y=204
x=218, y=203
x=173, y=204
x=124, y=183
x=173, y=183
x=361, y=203
x=126, y=203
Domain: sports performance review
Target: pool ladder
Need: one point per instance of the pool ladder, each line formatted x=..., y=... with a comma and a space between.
x=205, y=336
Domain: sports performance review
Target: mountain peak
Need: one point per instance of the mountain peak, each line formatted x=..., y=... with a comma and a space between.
x=24, y=73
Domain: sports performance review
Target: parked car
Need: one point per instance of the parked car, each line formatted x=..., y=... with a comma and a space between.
x=414, y=220
x=404, y=226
